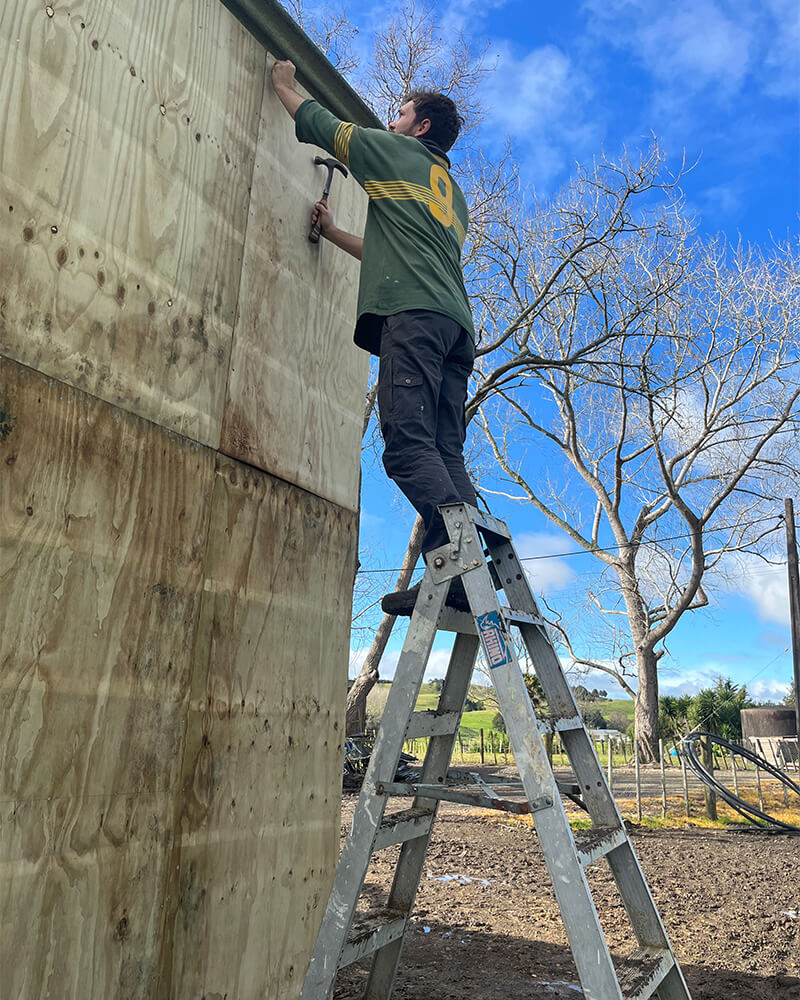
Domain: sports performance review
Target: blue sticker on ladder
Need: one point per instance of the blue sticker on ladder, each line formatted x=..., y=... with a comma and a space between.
x=493, y=640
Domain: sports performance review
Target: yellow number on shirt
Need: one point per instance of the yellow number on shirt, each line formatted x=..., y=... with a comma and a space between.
x=442, y=187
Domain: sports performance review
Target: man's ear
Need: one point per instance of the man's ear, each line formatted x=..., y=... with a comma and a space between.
x=422, y=128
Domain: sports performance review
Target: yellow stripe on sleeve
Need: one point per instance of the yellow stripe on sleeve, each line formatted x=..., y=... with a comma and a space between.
x=341, y=142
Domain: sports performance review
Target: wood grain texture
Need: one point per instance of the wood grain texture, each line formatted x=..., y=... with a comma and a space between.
x=259, y=815
x=127, y=138
x=296, y=391
x=103, y=527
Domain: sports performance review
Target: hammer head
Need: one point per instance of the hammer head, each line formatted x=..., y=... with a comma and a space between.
x=332, y=165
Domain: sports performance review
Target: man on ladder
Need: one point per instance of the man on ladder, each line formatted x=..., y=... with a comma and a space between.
x=413, y=310
x=413, y=313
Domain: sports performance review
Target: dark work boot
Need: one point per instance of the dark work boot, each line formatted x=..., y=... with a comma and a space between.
x=401, y=602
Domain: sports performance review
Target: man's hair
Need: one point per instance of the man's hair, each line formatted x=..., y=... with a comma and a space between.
x=445, y=120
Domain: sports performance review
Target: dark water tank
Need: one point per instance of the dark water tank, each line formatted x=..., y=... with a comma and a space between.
x=761, y=722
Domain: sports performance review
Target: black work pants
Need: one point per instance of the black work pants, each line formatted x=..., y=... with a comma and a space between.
x=426, y=360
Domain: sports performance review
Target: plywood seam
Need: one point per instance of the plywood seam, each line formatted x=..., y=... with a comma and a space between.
x=236, y=313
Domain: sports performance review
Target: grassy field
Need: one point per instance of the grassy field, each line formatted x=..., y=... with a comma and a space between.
x=474, y=721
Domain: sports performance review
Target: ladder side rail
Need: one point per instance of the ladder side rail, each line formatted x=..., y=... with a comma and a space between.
x=561, y=701
x=637, y=898
x=581, y=751
x=674, y=986
x=408, y=872
x=632, y=885
x=586, y=937
x=357, y=852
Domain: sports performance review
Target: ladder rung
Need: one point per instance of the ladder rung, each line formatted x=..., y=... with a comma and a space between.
x=490, y=524
x=403, y=826
x=432, y=723
x=464, y=797
x=643, y=972
x=560, y=725
x=597, y=842
x=372, y=933
x=513, y=617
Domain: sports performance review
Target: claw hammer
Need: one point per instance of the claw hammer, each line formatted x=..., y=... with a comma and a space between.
x=332, y=165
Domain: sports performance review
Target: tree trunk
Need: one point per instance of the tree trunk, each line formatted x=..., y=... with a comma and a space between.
x=646, y=711
x=356, y=710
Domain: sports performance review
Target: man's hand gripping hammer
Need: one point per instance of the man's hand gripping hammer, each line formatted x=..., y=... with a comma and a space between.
x=332, y=165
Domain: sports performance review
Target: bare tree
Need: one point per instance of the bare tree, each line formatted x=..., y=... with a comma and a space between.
x=330, y=29
x=411, y=53
x=524, y=262
x=661, y=451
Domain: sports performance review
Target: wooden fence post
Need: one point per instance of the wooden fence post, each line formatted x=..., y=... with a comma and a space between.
x=685, y=786
x=483, y=760
x=709, y=793
x=638, y=782
x=663, y=780
x=735, y=774
x=610, y=766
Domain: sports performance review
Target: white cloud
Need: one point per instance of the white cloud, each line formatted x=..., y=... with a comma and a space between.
x=765, y=586
x=539, y=99
x=467, y=15
x=769, y=690
x=686, y=45
x=782, y=60
x=545, y=574
x=437, y=663
x=528, y=93
x=698, y=41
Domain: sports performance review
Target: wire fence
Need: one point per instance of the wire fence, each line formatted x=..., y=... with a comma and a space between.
x=652, y=791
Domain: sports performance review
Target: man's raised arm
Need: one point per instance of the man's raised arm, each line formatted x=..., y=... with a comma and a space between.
x=283, y=85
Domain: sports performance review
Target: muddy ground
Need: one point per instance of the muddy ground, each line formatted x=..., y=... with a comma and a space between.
x=486, y=924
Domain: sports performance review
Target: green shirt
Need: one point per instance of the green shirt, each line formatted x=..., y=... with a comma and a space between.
x=416, y=222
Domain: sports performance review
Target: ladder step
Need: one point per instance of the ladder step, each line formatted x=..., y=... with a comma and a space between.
x=403, y=826
x=643, y=972
x=490, y=524
x=513, y=617
x=597, y=842
x=432, y=723
x=560, y=725
x=371, y=933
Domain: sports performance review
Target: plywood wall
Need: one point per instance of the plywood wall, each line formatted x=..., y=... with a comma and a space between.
x=180, y=410
x=295, y=396
x=104, y=525
x=257, y=829
x=172, y=693
x=127, y=141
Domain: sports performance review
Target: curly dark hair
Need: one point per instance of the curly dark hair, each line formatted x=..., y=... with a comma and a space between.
x=445, y=120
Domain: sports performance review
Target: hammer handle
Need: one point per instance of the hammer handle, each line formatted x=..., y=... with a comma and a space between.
x=316, y=231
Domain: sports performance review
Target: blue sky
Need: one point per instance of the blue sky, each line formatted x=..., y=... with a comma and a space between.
x=716, y=81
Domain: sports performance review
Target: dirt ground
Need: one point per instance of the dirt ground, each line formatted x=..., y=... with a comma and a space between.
x=486, y=922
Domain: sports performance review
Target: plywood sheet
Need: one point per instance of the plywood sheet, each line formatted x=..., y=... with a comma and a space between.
x=103, y=527
x=296, y=392
x=259, y=811
x=127, y=137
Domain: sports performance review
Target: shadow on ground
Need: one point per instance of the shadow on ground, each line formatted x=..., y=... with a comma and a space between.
x=440, y=963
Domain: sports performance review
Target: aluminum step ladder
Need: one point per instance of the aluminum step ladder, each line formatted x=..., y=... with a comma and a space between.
x=651, y=970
